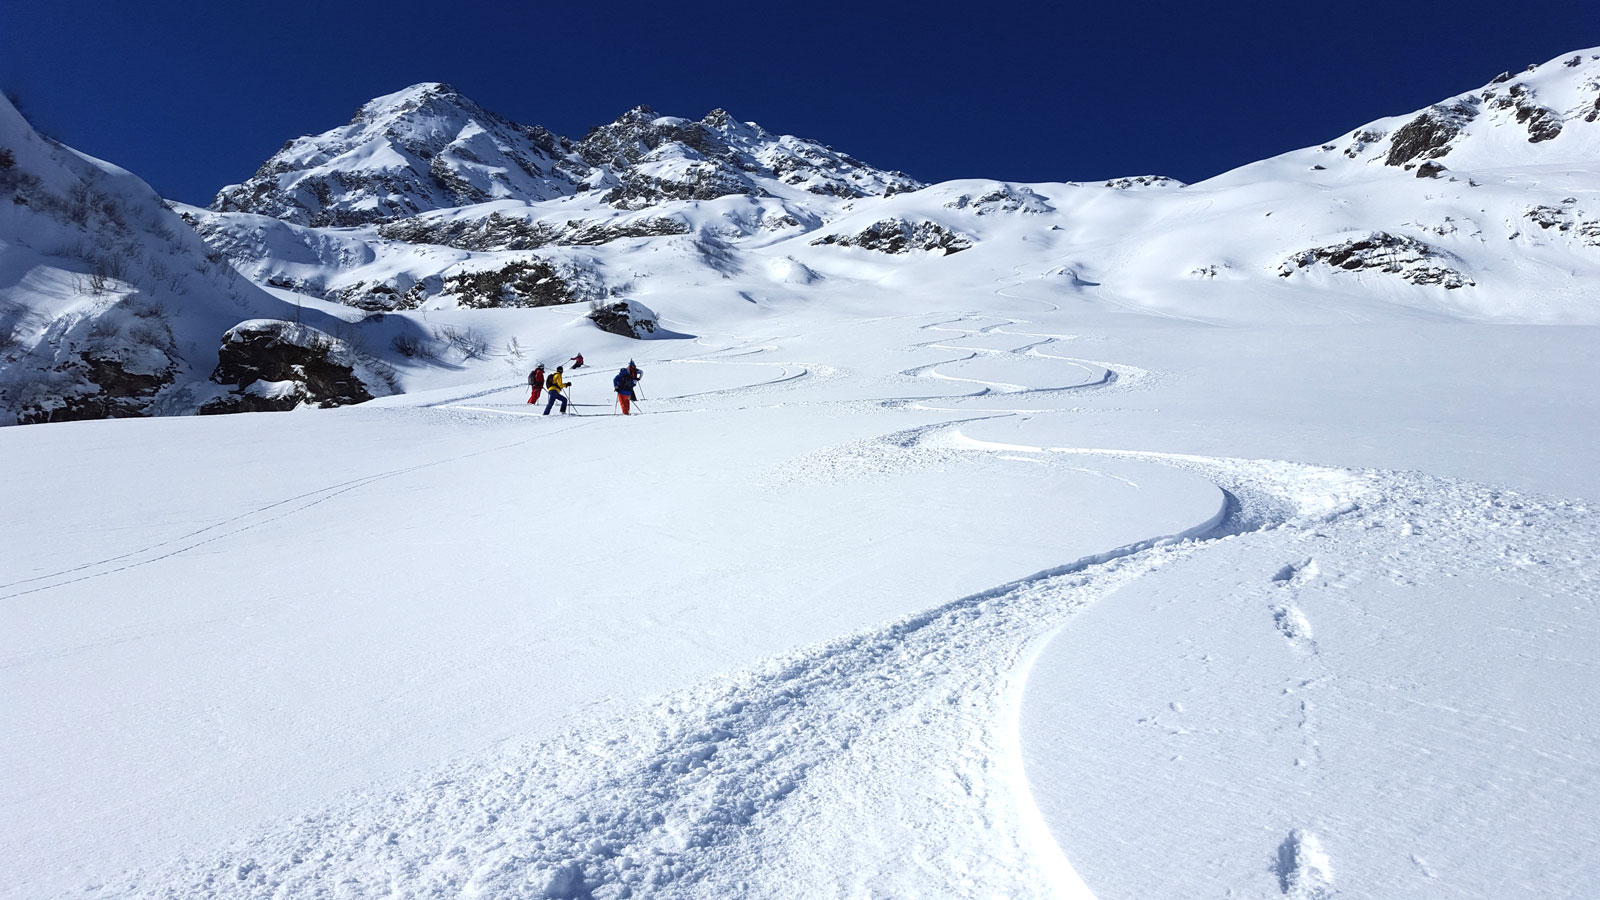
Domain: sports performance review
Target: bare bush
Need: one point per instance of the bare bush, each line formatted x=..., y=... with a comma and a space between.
x=409, y=346
x=78, y=205
x=149, y=309
x=153, y=333
x=464, y=341
x=104, y=329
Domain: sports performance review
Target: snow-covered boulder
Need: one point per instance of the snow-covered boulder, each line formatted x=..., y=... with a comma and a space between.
x=629, y=318
x=277, y=365
x=1407, y=257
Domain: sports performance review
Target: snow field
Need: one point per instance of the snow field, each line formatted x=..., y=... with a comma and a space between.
x=432, y=646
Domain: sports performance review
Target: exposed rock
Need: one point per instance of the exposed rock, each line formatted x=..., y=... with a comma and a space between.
x=1155, y=181
x=628, y=318
x=901, y=236
x=494, y=232
x=276, y=365
x=1003, y=199
x=1429, y=135
x=655, y=158
x=1361, y=140
x=523, y=283
x=1407, y=257
x=585, y=234
x=1429, y=170
x=498, y=232
x=94, y=386
x=1565, y=220
x=1543, y=123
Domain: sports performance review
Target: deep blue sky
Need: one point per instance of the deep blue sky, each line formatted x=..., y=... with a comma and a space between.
x=195, y=95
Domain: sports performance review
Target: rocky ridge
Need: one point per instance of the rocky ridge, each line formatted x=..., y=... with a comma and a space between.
x=428, y=147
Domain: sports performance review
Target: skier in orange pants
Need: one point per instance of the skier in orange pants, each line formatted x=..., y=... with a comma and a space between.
x=624, y=385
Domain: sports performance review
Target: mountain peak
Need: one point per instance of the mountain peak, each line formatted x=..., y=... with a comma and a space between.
x=437, y=94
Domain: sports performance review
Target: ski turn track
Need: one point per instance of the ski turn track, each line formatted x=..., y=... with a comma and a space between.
x=761, y=783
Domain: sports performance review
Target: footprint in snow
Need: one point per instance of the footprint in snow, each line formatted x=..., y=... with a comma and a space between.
x=1295, y=574
x=1293, y=624
x=1303, y=869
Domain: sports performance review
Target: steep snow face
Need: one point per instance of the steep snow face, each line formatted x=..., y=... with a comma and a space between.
x=425, y=147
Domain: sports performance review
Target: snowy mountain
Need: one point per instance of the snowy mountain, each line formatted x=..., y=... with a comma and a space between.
x=1473, y=207
x=428, y=148
x=1119, y=540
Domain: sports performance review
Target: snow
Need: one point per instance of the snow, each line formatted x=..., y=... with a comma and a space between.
x=780, y=630
x=1096, y=560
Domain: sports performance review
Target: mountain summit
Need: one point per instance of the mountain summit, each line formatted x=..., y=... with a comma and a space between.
x=430, y=147
x=426, y=147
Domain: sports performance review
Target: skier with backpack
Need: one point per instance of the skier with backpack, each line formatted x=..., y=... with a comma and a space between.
x=556, y=386
x=638, y=376
x=536, y=382
x=623, y=383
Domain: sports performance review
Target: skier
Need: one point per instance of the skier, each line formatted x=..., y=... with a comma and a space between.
x=556, y=386
x=624, y=386
x=536, y=382
x=577, y=361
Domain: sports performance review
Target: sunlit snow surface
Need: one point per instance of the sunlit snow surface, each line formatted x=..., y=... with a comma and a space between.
x=775, y=636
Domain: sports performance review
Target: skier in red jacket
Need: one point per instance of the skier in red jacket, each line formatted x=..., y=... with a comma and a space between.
x=536, y=381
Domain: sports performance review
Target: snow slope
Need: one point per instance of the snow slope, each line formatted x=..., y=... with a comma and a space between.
x=774, y=636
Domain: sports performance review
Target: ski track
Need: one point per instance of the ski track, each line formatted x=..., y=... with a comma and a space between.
x=221, y=530
x=751, y=783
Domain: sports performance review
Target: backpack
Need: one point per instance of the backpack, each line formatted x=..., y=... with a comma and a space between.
x=533, y=378
x=550, y=382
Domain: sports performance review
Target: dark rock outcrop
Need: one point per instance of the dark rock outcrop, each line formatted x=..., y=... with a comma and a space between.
x=627, y=318
x=1407, y=257
x=524, y=283
x=900, y=236
x=277, y=365
x=99, y=387
x=1430, y=134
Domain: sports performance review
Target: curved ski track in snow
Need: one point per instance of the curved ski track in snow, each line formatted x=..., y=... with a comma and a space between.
x=762, y=766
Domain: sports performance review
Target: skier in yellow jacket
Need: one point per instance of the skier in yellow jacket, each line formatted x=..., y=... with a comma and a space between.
x=556, y=387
